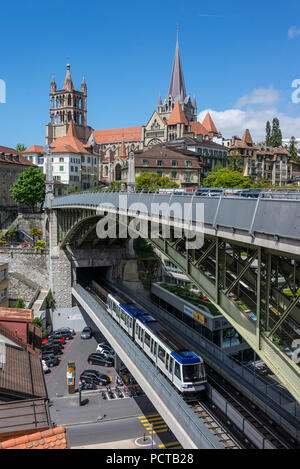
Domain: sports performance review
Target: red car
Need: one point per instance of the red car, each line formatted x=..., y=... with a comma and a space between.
x=62, y=340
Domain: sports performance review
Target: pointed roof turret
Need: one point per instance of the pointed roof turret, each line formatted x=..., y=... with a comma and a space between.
x=208, y=123
x=159, y=100
x=53, y=84
x=83, y=84
x=122, y=153
x=177, y=87
x=247, y=137
x=68, y=84
x=177, y=116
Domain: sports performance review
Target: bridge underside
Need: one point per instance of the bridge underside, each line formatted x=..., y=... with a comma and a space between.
x=256, y=289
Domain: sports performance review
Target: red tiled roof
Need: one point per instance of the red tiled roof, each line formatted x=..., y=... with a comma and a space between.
x=68, y=144
x=129, y=134
x=11, y=151
x=197, y=128
x=54, y=438
x=208, y=123
x=177, y=115
x=34, y=149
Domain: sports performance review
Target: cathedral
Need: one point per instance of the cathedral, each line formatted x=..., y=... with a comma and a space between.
x=173, y=118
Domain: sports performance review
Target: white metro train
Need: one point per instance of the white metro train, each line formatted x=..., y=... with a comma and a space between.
x=183, y=368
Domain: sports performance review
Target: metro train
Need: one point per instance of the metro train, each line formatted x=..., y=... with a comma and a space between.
x=183, y=368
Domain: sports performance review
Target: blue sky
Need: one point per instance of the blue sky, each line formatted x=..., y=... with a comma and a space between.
x=239, y=59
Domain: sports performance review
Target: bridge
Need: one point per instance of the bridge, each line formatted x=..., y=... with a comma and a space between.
x=242, y=253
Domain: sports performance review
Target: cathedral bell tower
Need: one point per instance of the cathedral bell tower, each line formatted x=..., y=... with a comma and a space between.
x=65, y=105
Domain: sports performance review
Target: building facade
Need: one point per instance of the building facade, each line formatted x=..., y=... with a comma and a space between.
x=260, y=162
x=12, y=164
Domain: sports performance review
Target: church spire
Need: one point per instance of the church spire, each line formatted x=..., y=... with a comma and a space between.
x=68, y=84
x=177, y=88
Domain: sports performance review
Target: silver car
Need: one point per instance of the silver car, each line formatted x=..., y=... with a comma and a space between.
x=86, y=333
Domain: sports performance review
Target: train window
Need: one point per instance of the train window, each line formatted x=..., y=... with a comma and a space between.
x=147, y=339
x=167, y=362
x=177, y=370
x=171, y=365
x=137, y=329
x=155, y=348
x=161, y=353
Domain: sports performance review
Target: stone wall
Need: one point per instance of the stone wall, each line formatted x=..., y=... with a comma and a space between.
x=31, y=269
x=7, y=216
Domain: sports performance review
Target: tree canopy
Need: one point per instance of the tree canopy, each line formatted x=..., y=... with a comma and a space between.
x=227, y=178
x=20, y=147
x=154, y=181
x=30, y=187
x=292, y=148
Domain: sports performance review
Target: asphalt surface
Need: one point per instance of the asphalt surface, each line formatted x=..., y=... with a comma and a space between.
x=99, y=420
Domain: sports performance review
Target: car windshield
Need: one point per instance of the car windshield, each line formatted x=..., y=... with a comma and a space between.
x=193, y=373
x=86, y=329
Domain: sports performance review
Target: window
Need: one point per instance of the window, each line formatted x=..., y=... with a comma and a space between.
x=161, y=353
x=177, y=370
x=145, y=162
x=188, y=163
x=159, y=162
x=173, y=162
x=61, y=168
x=173, y=175
x=147, y=339
x=61, y=160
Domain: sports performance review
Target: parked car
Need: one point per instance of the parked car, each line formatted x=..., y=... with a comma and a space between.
x=105, y=348
x=52, y=348
x=98, y=359
x=94, y=376
x=86, y=333
x=66, y=329
x=51, y=360
x=58, y=335
x=62, y=340
x=107, y=355
x=53, y=341
x=46, y=369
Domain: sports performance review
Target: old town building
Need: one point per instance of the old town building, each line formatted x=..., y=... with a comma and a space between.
x=260, y=162
x=182, y=166
x=12, y=164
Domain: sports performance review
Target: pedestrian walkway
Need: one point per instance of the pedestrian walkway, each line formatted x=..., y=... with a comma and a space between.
x=155, y=424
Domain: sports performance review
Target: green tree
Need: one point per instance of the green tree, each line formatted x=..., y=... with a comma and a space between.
x=292, y=148
x=20, y=147
x=19, y=303
x=30, y=187
x=226, y=178
x=217, y=167
x=115, y=186
x=37, y=322
x=235, y=162
x=268, y=134
x=153, y=181
x=276, y=137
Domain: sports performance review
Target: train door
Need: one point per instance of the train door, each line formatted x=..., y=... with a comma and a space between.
x=177, y=378
x=170, y=370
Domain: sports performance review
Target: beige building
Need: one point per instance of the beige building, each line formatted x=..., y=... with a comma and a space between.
x=260, y=162
x=3, y=285
x=181, y=166
x=12, y=164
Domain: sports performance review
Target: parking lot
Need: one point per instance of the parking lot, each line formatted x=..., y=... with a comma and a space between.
x=77, y=350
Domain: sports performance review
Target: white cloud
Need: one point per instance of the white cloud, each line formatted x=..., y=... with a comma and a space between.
x=234, y=122
x=293, y=32
x=263, y=96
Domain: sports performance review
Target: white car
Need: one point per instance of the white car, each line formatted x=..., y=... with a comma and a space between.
x=102, y=348
x=46, y=368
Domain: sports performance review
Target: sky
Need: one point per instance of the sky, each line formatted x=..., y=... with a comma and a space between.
x=240, y=59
